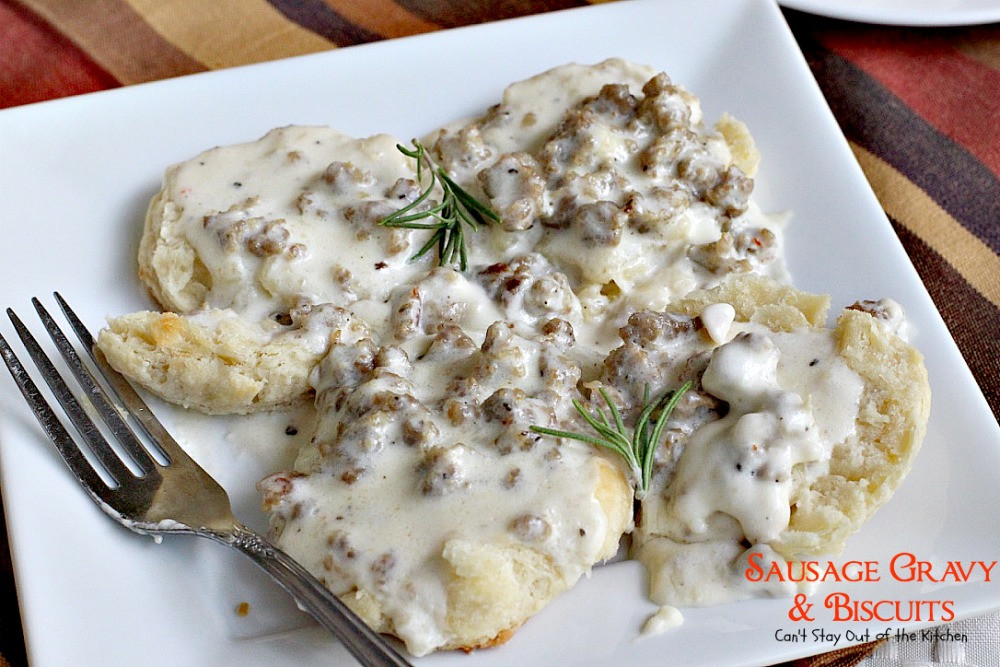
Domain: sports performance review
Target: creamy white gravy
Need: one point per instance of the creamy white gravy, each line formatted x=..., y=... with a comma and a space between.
x=425, y=463
x=633, y=202
x=614, y=197
x=665, y=618
x=610, y=174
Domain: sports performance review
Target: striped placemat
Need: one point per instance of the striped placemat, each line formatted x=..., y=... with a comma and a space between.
x=920, y=107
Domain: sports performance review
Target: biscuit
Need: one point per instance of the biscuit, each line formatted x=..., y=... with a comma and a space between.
x=639, y=202
x=791, y=438
x=238, y=240
x=891, y=423
x=892, y=413
x=217, y=363
x=257, y=226
x=425, y=501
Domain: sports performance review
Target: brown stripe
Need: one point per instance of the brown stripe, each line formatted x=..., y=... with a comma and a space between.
x=136, y=54
x=456, y=13
x=316, y=15
x=872, y=117
x=914, y=209
x=227, y=33
x=384, y=17
x=844, y=657
x=955, y=95
x=971, y=319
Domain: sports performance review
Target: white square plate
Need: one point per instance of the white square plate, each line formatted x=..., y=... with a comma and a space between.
x=904, y=12
x=75, y=177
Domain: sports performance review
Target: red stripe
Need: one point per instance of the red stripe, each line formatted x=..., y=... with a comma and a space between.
x=37, y=64
x=959, y=96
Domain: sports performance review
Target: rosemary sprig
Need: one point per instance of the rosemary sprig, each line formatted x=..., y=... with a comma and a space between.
x=638, y=449
x=457, y=206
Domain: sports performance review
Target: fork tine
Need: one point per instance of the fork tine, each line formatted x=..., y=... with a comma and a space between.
x=79, y=328
x=54, y=429
x=108, y=413
x=180, y=499
x=127, y=396
x=84, y=425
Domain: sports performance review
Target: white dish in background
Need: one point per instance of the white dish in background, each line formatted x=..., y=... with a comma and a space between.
x=75, y=177
x=904, y=12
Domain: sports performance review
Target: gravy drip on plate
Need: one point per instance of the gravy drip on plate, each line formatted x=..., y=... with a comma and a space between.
x=609, y=173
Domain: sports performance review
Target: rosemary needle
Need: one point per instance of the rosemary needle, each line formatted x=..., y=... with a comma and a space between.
x=457, y=206
x=637, y=450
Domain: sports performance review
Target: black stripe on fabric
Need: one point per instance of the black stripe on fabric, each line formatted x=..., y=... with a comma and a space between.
x=970, y=317
x=876, y=119
x=457, y=13
x=320, y=18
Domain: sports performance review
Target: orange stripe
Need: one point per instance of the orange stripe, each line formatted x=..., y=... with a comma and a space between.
x=957, y=95
x=914, y=209
x=136, y=53
x=227, y=33
x=384, y=17
x=983, y=46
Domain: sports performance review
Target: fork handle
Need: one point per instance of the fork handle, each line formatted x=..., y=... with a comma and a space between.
x=367, y=646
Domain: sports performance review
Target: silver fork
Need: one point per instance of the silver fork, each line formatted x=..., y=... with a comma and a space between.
x=176, y=497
